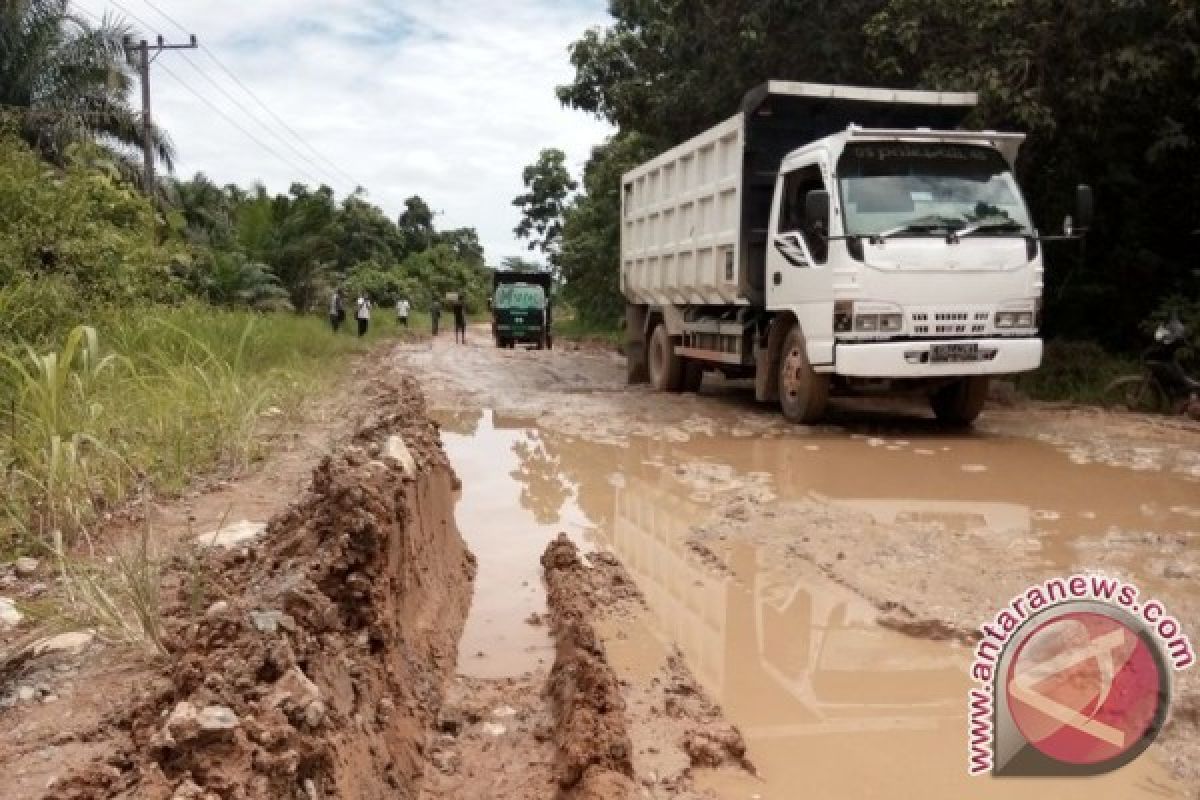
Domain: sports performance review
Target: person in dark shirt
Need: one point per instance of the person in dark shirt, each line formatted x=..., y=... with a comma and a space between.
x=435, y=315
x=460, y=320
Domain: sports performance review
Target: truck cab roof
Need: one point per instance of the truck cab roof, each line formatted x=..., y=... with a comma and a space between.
x=1008, y=144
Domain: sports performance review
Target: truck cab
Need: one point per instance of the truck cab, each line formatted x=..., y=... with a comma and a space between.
x=906, y=257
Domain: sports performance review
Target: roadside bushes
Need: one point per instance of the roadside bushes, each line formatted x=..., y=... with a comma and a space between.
x=81, y=229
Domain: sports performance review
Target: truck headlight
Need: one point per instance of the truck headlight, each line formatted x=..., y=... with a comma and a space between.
x=1008, y=320
x=866, y=323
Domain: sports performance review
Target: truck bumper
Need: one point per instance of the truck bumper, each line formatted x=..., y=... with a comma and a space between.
x=914, y=359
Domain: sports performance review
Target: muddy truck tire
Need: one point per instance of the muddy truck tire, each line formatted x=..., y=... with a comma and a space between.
x=960, y=403
x=666, y=368
x=803, y=393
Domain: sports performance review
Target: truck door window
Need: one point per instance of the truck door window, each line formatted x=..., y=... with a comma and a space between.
x=796, y=187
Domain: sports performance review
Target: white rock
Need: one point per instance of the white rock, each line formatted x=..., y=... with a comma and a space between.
x=25, y=566
x=214, y=719
x=494, y=729
x=67, y=644
x=504, y=711
x=270, y=621
x=217, y=609
x=26, y=694
x=397, y=449
x=10, y=617
x=233, y=535
x=294, y=690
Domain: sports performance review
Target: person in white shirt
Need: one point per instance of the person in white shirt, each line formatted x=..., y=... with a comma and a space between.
x=363, y=314
x=402, y=309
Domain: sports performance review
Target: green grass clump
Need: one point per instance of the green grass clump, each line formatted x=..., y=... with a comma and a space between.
x=147, y=398
x=573, y=328
x=1074, y=372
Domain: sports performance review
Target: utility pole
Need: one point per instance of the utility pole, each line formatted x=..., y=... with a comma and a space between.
x=143, y=50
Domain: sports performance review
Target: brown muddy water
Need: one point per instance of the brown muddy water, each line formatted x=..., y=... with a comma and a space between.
x=831, y=704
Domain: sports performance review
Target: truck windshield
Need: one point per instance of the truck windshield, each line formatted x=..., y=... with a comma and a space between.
x=519, y=296
x=915, y=189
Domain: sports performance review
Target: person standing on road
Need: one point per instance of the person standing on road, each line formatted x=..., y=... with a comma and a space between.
x=435, y=315
x=460, y=320
x=363, y=314
x=337, y=312
x=402, y=309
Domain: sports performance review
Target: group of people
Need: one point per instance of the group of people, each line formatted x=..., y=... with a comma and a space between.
x=363, y=307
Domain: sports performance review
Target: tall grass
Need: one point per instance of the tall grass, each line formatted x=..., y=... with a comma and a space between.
x=147, y=399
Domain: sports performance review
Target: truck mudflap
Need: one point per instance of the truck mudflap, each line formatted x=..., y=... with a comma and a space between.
x=937, y=359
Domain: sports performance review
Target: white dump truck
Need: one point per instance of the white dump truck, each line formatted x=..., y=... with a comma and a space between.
x=835, y=240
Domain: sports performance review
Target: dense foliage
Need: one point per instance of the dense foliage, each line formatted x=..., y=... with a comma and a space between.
x=272, y=251
x=1108, y=90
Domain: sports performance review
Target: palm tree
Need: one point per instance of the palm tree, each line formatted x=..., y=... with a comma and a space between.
x=67, y=81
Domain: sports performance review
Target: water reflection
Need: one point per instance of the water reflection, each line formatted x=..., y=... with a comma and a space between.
x=795, y=659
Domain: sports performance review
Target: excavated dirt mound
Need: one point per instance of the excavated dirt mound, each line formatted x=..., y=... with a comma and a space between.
x=310, y=664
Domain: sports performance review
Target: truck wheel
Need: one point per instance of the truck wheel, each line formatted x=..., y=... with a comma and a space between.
x=803, y=393
x=666, y=368
x=960, y=403
x=693, y=375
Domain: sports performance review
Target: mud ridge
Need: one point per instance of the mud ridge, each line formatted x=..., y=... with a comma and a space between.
x=309, y=664
x=594, y=757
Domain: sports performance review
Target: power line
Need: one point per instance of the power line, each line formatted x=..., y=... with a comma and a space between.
x=278, y=119
x=238, y=104
x=222, y=90
x=239, y=126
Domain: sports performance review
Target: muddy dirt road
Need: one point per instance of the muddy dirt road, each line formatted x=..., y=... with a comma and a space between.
x=821, y=586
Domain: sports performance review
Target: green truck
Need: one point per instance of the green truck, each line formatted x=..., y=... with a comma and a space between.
x=521, y=309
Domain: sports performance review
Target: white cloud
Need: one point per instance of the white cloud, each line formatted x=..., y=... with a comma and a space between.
x=446, y=100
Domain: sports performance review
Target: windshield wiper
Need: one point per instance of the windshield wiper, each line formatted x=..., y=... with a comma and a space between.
x=991, y=225
x=922, y=225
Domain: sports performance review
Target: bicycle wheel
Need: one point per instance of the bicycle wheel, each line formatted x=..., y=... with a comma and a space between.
x=1135, y=393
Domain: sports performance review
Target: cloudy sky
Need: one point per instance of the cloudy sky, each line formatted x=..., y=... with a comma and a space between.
x=448, y=100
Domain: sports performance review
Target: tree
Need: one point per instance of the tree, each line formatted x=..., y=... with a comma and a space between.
x=518, y=264
x=230, y=279
x=464, y=242
x=68, y=81
x=363, y=232
x=668, y=70
x=591, y=255
x=549, y=184
x=416, y=225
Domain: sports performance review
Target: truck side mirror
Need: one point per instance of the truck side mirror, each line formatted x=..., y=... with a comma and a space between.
x=1084, y=206
x=816, y=211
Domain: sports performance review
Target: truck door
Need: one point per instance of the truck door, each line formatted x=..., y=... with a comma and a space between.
x=798, y=275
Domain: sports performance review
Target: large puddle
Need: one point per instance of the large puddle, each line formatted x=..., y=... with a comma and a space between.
x=827, y=699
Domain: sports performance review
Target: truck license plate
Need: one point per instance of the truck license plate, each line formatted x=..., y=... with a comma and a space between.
x=954, y=353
